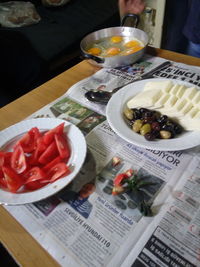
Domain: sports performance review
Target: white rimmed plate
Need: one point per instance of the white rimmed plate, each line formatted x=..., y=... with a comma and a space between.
x=78, y=147
x=114, y=114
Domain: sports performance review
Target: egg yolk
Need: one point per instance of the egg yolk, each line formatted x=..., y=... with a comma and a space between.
x=132, y=43
x=95, y=51
x=116, y=39
x=113, y=51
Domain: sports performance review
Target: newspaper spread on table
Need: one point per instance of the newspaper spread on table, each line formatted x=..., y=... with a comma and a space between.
x=107, y=230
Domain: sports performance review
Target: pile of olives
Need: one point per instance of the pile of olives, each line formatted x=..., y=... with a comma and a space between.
x=151, y=124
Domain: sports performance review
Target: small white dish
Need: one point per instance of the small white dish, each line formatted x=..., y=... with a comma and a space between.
x=78, y=153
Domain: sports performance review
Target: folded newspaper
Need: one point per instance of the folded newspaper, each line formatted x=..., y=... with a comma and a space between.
x=106, y=230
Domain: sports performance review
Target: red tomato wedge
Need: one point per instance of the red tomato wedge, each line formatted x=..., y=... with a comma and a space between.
x=3, y=182
x=5, y=158
x=1, y=163
x=13, y=180
x=2, y=154
x=119, y=178
x=34, y=185
x=34, y=174
x=49, y=165
x=49, y=154
x=4, y=161
x=28, y=141
x=18, y=160
x=39, y=148
x=63, y=146
x=49, y=136
x=57, y=171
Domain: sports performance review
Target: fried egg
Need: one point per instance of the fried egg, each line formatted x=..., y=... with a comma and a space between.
x=132, y=43
x=116, y=39
x=131, y=50
x=112, y=51
x=95, y=51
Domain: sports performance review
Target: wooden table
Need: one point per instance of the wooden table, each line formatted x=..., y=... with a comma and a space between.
x=20, y=244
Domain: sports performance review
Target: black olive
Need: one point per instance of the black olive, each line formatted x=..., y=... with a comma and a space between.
x=178, y=129
x=137, y=114
x=148, y=114
x=150, y=136
x=162, y=119
x=148, y=119
x=143, y=110
x=155, y=126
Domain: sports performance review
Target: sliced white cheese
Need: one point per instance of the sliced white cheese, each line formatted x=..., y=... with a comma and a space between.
x=190, y=92
x=174, y=89
x=164, y=85
x=144, y=99
x=192, y=112
x=171, y=101
x=196, y=99
x=186, y=108
x=181, y=91
x=180, y=103
x=161, y=101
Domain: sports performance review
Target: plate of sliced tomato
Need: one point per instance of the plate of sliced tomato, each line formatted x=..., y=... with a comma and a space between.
x=38, y=158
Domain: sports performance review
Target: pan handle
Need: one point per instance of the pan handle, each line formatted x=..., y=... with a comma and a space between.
x=134, y=16
x=89, y=56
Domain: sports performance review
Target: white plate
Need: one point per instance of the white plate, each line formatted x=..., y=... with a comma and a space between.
x=78, y=147
x=114, y=114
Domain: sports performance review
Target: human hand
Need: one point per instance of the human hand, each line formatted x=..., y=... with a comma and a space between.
x=131, y=6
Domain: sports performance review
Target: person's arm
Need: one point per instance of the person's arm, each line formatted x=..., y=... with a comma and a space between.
x=131, y=6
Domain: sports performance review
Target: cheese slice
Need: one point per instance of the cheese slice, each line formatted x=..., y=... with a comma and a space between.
x=164, y=85
x=174, y=89
x=181, y=91
x=171, y=101
x=196, y=99
x=192, y=112
x=187, y=107
x=190, y=92
x=145, y=99
x=161, y=101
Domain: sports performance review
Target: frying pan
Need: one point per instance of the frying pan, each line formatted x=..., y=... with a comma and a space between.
x=124, y=31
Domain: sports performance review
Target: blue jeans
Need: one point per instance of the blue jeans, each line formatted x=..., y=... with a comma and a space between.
x=193, y=49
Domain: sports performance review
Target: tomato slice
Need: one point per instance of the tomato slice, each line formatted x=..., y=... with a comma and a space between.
x=13, y=180
x=34, y=174
x=3, y=182
x=5, y=158
x=40, y=147
x=118, y=180
x=49, y=136
x=34, y=185
x=49, y=165
x=57, y=171
x=28, y=141
x=49, y=154
x=63, y=146
x=18, y=160
x=2, y=155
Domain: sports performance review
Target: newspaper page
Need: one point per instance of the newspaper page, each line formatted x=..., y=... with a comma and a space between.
x=84, y=224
